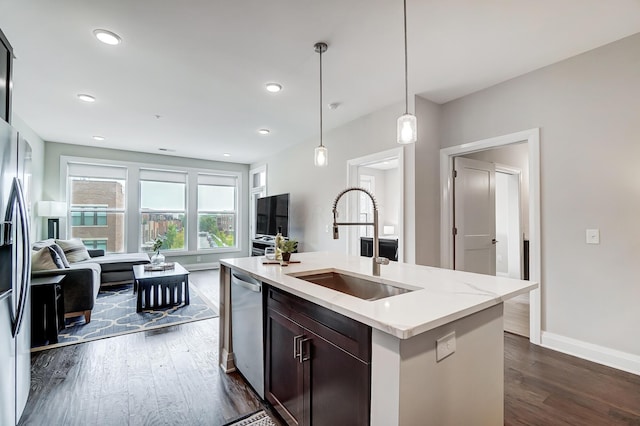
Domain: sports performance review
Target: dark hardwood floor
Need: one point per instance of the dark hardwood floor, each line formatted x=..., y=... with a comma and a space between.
x=170, y=376
x=544, y=387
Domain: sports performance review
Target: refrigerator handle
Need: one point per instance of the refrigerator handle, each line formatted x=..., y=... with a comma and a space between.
x=18, y=197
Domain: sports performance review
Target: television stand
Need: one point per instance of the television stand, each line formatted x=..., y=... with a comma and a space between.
x=260, y=243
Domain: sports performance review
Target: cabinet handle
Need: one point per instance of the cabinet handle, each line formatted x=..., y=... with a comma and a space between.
x=296, y=345
x=304, y=357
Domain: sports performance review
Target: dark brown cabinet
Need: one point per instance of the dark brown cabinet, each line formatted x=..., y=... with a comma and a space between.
x=317, y=363
x=6, y=69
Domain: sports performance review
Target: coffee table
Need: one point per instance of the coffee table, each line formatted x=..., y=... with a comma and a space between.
x=160, y=289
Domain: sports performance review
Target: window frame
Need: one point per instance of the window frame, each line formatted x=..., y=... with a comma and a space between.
x=168, y=175
x=235, y=212
x=106, y=172
x=132, y=203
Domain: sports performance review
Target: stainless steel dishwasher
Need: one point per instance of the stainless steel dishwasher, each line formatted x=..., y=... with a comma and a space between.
x=247, y=329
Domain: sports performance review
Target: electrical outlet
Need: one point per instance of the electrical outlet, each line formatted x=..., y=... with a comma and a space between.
x=198, y=258
x=445, y=346
x=593, y=236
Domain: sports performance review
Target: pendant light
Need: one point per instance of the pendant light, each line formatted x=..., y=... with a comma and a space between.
x=321, y=155
x=407, y=123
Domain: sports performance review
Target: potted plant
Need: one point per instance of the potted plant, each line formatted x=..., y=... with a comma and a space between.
x=157, y=258
x=286, y=248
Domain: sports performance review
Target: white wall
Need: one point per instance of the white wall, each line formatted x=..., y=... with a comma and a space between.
x=391, y=199
x=387, y=183
x=587, y=110
x=314, y=189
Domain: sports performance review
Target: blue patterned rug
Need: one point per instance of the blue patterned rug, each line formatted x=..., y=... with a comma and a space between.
x=114, y=314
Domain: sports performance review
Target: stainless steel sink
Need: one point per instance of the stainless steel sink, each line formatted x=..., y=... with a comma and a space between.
x=354, y=286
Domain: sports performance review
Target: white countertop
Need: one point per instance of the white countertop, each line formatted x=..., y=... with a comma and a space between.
x=442, y=295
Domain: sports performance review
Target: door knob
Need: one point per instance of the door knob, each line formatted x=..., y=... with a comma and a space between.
x=493, y=241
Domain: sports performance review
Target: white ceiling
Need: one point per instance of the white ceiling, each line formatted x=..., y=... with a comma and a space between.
x=201, y=65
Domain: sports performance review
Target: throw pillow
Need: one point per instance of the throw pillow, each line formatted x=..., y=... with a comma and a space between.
x=74, y=250
x=45, y=259
x=61, y=254
x=42, y=244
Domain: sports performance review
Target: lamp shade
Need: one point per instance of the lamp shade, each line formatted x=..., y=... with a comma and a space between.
x=321, y=157
x=407, y=129
x=51, y=209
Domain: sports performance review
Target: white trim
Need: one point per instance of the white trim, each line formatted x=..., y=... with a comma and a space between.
x=596, y=353
x=532, y=137
x=352, y=180
x=259, y=191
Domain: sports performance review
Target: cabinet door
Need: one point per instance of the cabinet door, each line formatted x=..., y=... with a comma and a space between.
x=285, y=384
x=339, y=384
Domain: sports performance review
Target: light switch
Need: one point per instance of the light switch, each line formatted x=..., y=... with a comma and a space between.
x=593, y=236
x=445, y=346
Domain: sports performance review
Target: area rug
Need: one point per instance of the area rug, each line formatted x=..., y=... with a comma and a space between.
x=114, y=314
x=260, y=418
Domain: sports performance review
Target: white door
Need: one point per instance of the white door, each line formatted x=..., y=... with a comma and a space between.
x=474, y=216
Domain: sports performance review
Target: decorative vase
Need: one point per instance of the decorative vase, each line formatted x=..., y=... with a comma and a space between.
x=157, y=259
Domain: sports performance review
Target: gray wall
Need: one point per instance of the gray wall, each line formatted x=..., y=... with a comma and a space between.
x=313, y=189
x=427, y=188
x=52, y=183
x=587, y=110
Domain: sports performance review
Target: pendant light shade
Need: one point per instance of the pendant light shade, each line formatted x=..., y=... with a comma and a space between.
x=407, y=123
x=407, y=129
x=321, y=155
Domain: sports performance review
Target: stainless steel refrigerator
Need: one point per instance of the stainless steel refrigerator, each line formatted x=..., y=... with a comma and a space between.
x=15, y=272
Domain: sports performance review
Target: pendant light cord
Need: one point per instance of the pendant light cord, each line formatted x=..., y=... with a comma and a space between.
x=406, y=78
x=321, y=96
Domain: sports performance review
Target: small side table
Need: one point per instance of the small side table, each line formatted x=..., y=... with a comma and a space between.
x=47, y=309
x=160, y=289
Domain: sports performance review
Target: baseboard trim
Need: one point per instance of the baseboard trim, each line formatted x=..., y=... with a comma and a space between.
x=201, y=266
x=600, y=354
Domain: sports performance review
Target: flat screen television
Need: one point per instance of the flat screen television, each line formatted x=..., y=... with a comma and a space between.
x=272, y=213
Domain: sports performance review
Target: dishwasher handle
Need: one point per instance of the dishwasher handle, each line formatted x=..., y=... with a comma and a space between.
x=237, y=280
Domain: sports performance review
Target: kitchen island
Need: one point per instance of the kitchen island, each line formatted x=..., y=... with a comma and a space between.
x=436, y=351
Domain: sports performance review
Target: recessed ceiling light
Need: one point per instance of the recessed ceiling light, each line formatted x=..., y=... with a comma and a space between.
x=273, y=87
x=99, y=138
x=226, y=154
x=107, y=37
x=86, y=98
x=264, y=131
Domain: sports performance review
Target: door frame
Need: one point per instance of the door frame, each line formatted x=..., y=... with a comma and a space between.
x=532, y=137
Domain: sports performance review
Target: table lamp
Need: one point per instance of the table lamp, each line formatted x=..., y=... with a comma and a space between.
x=53, y=210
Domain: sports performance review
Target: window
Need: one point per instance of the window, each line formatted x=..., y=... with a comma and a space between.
x=123, y=206
x=100, y=244
x=163, y=208
x=97, y=204
x=217, y=216
x=88, y=215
